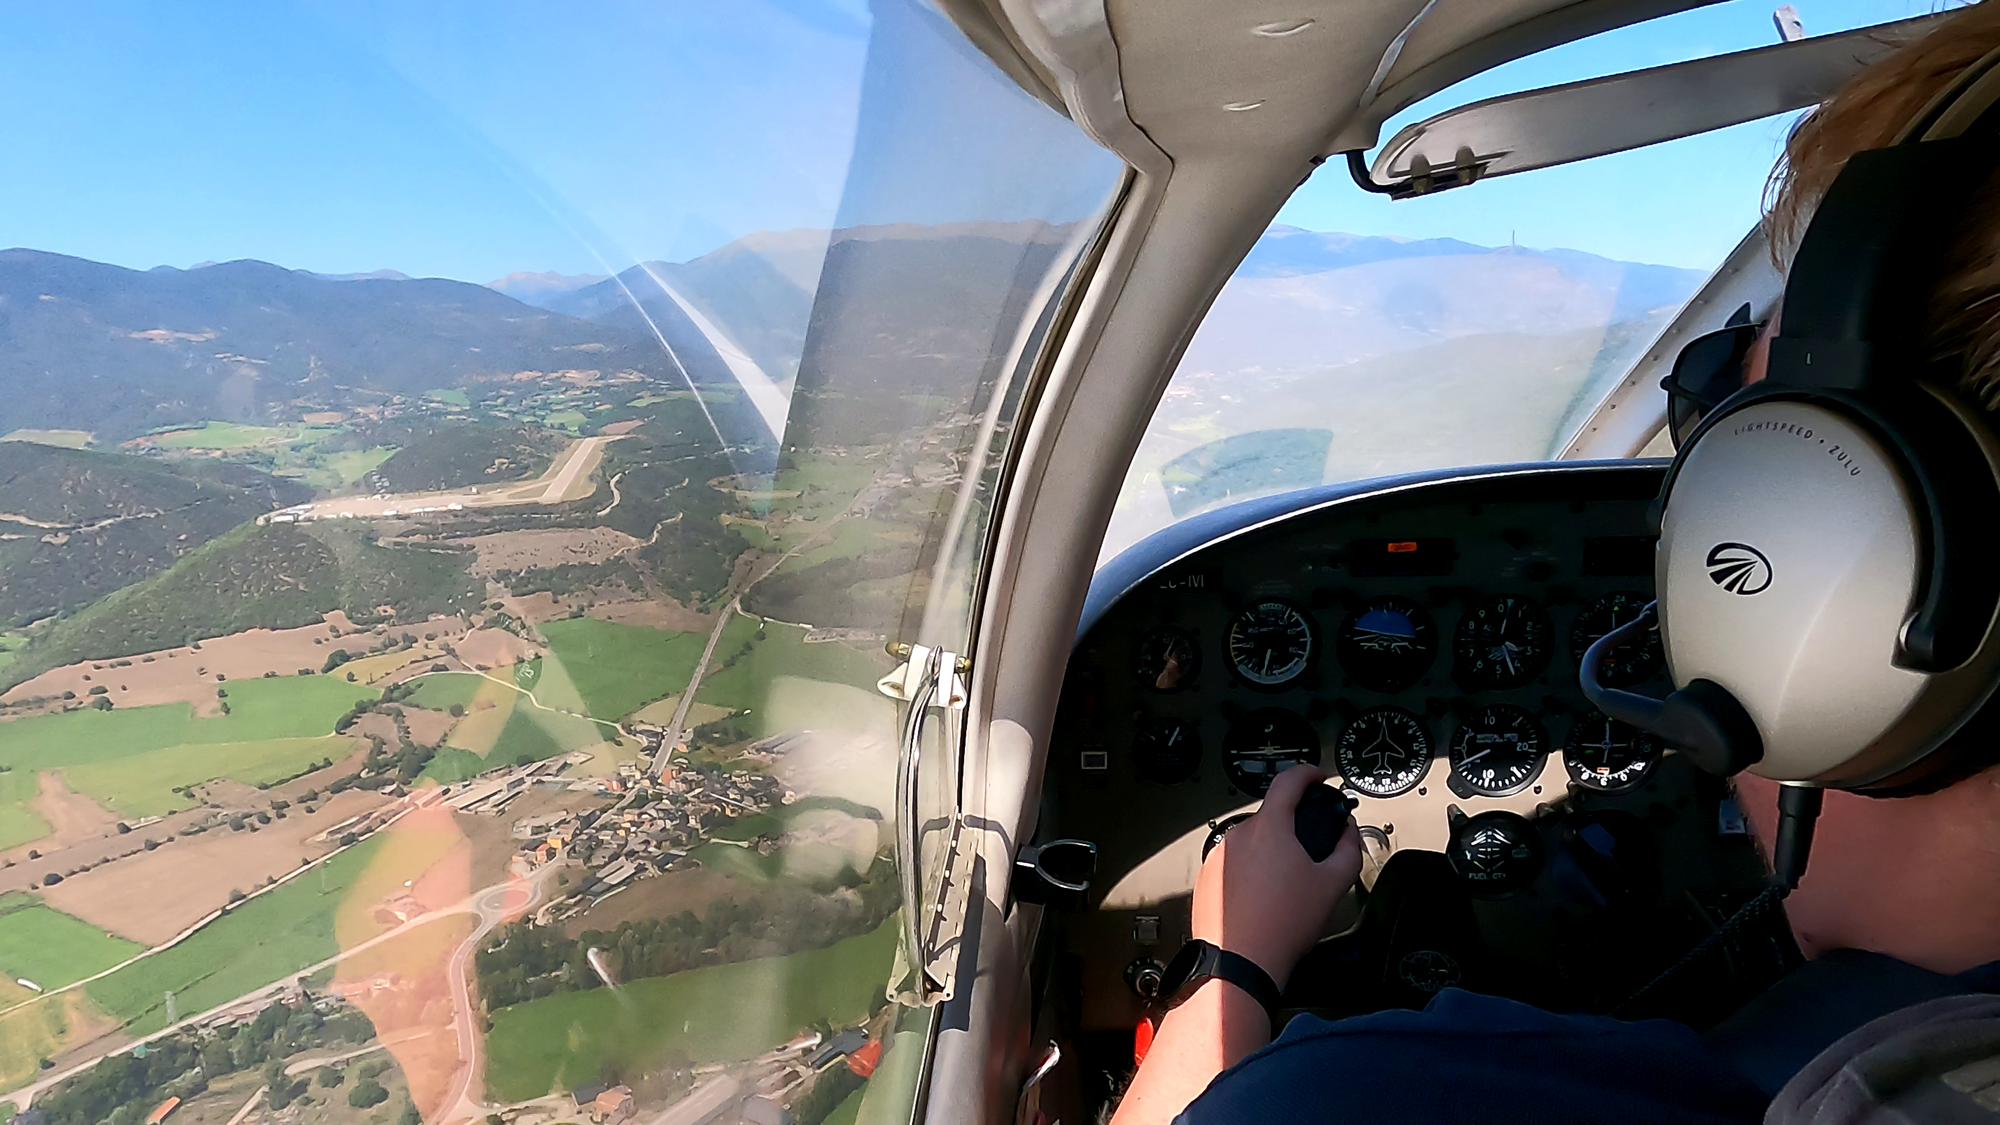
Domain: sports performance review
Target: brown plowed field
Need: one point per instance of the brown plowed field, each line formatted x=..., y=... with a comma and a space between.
x=151, y=897
x=188, y=675
x=657, y=897
x=545, y=547
x=654, y=613
x=72, y=817
x=493, y=648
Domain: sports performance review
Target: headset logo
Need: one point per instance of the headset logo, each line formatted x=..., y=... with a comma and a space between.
x=1739, y=568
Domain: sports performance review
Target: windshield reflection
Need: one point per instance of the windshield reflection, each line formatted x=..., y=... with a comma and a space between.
x=452, y=699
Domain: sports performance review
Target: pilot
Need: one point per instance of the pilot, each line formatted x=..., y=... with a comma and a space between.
x=1902, y=897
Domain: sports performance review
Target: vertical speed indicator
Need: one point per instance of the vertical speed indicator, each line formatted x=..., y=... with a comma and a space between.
x=1271, y=643
x=1497, y=751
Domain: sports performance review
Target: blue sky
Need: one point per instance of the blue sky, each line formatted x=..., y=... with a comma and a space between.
x=462, y=139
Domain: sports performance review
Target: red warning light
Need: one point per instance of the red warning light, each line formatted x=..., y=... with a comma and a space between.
x=1401, y=546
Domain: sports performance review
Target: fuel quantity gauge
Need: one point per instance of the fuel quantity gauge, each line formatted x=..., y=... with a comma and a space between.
x=1165, y=750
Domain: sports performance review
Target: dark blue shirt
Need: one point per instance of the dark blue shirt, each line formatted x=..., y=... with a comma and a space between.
x=1480, y=1059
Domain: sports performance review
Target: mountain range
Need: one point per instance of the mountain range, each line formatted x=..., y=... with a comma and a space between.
x=92, y=346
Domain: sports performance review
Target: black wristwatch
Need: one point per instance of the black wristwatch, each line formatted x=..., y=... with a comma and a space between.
x=1201, y=961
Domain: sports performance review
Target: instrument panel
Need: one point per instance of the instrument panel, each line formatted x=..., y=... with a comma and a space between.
x=1418, y=639
x=1421, y=642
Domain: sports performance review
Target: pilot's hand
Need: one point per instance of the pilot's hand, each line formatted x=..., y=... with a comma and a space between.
x=1259, y=895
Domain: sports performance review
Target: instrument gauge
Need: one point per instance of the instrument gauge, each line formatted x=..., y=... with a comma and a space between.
x=1604, y=754
x=1387, y=644
x=1168, y=659
x=1497, y=751
x=1496, y=853
x=1271, y=643
x=1500, y=643
x=1264, y=743
x=1166, y=750
x=1629, y=663
x=1383, y=752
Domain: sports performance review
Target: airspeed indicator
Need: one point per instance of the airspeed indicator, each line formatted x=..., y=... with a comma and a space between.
x=1271, y=643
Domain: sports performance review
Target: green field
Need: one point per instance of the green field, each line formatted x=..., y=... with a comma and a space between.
x=144, y=785
x=262, y=941
x=229, y=435
x=565, y=419
x=439, y=690
x=714, y=1014
x=847, y=1111
x=65, y=439
x=452, y=764
x=529, y=735
x=853, y=538
x=618, y=669
x=453, y=396
x=131, y=758
x=51, y=948
x=18, y=824
x=745, y=684
x=333, y=472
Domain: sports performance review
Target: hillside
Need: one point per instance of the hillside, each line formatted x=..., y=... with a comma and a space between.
x=908, y=320
x=270, y=577
x=78, y=525
x=120, y=351
x=451, y=456
x=758, y=290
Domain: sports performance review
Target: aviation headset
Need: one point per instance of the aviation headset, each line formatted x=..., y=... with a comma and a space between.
x=1828, y=569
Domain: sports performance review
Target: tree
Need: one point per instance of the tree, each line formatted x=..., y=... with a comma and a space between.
x=330, y=1077
x=367, y=1092
x=51, y=879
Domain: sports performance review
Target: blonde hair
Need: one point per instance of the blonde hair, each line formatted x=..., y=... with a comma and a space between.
x=1869, y=112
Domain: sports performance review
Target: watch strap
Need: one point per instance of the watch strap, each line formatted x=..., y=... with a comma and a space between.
x=1212, y=962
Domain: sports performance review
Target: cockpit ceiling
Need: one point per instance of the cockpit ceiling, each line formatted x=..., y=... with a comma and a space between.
x=1302, y=78
x=1319, y=76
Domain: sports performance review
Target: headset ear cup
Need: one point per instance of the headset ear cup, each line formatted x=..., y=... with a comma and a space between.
x=1959, y=467
x=1951, y=460
x=1820, y=558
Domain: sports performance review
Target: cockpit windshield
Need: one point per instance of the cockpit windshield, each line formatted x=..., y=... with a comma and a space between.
x=1364, y=336
x=466, y=470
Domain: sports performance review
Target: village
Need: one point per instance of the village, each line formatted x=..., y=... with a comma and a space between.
x=658, y=815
